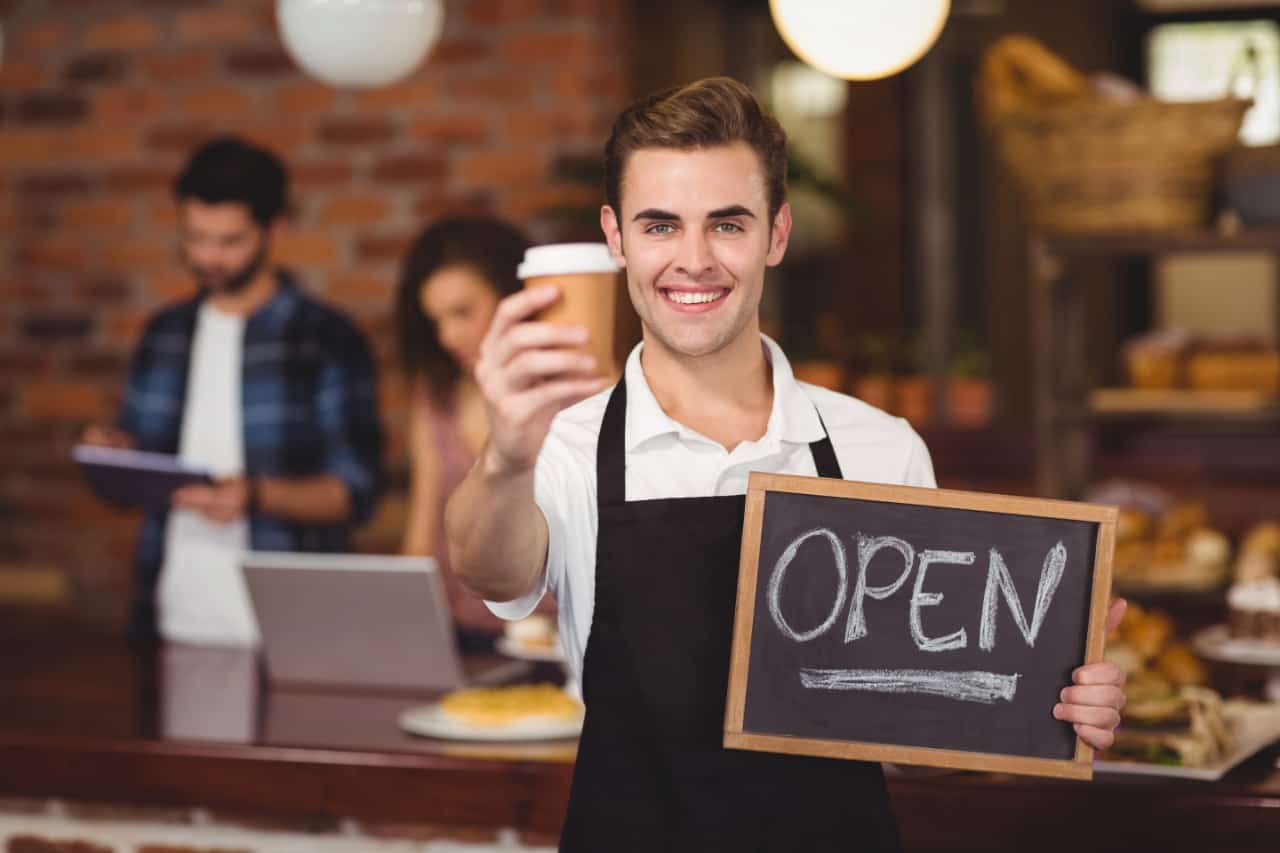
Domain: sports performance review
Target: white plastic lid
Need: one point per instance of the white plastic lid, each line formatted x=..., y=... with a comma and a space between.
x=566, y=259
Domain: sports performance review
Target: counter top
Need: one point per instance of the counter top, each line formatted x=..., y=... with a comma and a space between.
x=84, y=717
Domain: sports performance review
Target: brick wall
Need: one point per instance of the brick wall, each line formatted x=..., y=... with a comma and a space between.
x=99, y=105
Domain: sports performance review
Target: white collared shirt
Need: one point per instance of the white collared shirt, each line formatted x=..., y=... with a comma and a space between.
x=665, y=459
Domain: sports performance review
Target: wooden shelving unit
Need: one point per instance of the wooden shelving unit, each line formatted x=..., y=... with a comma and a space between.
x=1066, y=405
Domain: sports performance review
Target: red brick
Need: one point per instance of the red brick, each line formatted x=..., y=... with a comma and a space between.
x=44, y=326
x=63, y=400
x=126, y=324
x=356, y=131
x=354, y=287
x=305, y=248
x=546, y=48
x=356, y=209
x=375, y=248
x=163, y=215
x=103, y=291
x=277, y=137
x=95, y=145
x=56, y=108
x=171, y=285
x=129, y=105
x=17, y=74
x=542, y=200
x=501, y=167
x=98, y=214
x=139, y=255
x=54, y=184
x=168, y=848
x=218, y=24
x=98, y=68
x=409, y=168
x=179, y=138
x=459, y=51
x=99, y=365
x=178, y=67
x=406, y=94
x=131, y=32
x=453, y=129
x=438, y=205
x=505, y=88
x=217, y=102
x=318, y=174
x=52, y=254
x=260, y=63
x=307, y=97
x=40, y=39
x=131, y=179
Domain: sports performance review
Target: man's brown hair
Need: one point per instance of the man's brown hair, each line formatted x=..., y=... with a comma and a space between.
x=704, y=114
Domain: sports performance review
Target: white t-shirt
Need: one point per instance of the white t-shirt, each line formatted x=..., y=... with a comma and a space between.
x=201, y=597
x=665, y=459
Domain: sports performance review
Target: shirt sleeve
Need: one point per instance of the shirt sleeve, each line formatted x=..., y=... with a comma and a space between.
x=561, y=493
x=347, y=411
x=919, y=470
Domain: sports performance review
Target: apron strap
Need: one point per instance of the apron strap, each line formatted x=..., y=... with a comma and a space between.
x=611, y=456
x=611, y=449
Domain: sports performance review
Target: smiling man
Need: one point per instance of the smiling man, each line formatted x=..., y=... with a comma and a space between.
x=627, y=503
x=253, y=380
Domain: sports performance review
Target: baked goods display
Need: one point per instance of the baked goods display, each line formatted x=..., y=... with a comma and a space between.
x=497, y=707
x=1172, y=549
x=1175, y=359
x=1170, y=716
x=1259, y=556
x=1253, y=611
x=534, y=633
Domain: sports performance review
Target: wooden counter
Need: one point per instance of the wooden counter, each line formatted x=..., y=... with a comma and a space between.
x=82, y=717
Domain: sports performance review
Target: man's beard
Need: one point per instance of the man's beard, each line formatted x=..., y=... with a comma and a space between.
x=237, y=281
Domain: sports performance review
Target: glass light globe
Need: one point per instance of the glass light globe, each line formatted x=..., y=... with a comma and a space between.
x=359, y=42
x=859, y=39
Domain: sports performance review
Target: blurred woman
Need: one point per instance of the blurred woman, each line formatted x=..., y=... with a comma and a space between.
x=453, y=277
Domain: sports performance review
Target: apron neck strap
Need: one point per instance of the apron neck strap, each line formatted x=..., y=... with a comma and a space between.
x=611, y=450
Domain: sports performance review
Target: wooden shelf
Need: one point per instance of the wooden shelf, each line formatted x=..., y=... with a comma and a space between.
x=1139, y=243
x=1184, y=403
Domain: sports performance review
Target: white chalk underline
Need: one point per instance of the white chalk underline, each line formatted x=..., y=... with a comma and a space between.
x=973, y=686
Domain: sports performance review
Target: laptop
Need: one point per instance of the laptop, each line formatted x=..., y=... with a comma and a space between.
x=355, y=621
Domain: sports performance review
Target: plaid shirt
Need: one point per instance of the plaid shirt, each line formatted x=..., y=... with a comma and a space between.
x=310, y=407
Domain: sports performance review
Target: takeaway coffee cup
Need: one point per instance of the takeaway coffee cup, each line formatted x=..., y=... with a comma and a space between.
x=587, y=277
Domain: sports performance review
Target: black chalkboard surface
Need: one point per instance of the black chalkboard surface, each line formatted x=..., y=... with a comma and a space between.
x=916, y=626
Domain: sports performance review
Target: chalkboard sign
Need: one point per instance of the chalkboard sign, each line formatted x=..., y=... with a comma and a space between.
x=915, y=626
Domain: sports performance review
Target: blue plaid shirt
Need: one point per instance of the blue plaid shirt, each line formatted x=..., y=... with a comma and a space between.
x=310, y=407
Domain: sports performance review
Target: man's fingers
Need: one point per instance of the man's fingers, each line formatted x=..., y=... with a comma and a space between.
x=556, y=394
x=1100, y=695
x=534, y=335
x=1087, y=715
x=517, y=307
x=531, y=367
x=1097, y=738
x=1103, y=672
x=1116, y=613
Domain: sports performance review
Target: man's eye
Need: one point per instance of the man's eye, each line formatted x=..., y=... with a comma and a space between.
x=660, y=228
x=728, y=227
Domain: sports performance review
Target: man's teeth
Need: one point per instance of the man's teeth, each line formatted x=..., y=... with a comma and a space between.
x=694, y=298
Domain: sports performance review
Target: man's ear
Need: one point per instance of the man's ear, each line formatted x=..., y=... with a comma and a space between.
x=612, y=233
x=779, y=235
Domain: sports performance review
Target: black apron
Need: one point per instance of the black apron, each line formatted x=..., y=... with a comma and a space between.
x=651, y=773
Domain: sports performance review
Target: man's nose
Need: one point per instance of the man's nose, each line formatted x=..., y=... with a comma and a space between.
x=694, y=259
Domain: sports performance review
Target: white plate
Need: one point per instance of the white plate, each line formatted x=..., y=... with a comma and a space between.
x=541, y=654
x=430, y=721
x=1254, y=725
x=1216, y=643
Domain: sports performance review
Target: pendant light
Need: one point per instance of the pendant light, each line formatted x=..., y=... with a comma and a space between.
x=359, y=43
x=859, y=39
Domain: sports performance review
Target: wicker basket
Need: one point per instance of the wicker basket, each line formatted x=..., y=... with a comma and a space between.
x=1098, y=165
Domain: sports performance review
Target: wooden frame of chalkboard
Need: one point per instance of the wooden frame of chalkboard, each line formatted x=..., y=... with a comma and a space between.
x=1075, y=758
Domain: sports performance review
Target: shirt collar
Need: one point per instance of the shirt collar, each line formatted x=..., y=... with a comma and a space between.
x=793, y=417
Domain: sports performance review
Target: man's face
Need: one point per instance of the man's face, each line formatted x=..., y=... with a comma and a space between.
x=221, y=244
x=695, y=237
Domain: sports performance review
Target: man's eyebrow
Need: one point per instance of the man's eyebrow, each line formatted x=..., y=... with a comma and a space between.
x=655, y=213
x=731, y=210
